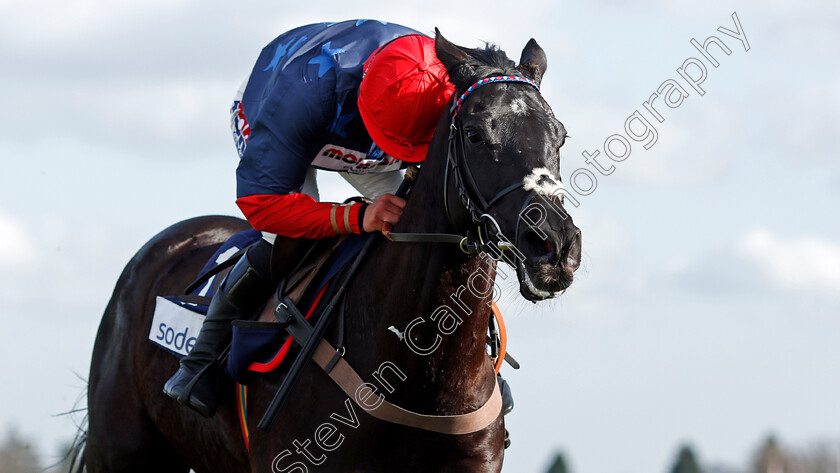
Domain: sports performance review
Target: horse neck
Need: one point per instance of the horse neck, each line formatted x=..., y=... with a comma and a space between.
x=426, y=287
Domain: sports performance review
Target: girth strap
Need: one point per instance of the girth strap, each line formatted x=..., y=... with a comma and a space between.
x=349, y=381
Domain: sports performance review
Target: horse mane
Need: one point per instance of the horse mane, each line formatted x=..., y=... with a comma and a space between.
x=482, y=62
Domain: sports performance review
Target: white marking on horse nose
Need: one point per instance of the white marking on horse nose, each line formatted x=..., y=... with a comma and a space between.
x=542, y=181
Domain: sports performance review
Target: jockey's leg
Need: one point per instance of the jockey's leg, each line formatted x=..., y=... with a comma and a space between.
x=240, y=294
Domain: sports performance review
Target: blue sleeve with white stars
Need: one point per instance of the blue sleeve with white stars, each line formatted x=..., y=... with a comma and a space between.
x=301, y=96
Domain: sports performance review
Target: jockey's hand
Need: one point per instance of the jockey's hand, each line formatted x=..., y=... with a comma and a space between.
x=383, y=213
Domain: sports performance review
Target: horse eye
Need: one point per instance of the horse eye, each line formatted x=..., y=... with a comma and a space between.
x=474, y=137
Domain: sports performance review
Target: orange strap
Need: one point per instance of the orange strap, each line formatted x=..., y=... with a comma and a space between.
x=503, y=334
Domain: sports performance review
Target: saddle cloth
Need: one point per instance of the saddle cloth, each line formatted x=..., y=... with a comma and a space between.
x=257, y=345
x=176, y=322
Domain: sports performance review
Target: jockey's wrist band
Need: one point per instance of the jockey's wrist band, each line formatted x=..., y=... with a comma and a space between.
x=361, y=220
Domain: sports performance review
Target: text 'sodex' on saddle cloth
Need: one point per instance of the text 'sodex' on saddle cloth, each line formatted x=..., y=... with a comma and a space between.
x=176, y=323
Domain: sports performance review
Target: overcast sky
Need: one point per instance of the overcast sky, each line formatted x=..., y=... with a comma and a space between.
x=707, y=309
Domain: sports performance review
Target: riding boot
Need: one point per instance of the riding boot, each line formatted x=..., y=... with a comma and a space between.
x=507, y=397
x=239, y=295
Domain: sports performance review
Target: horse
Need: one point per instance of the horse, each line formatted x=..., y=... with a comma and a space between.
x=506, y=139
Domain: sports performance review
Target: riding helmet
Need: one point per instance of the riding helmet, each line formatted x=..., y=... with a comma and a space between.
x=404, y=91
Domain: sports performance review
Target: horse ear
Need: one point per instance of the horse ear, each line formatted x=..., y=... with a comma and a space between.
x=533, y=62
x=449, y=54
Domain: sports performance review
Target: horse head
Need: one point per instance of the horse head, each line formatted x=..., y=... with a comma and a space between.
x=503, y=164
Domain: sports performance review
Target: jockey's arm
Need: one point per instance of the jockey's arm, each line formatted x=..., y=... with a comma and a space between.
x=274, y=165
x=273, y=169
x=299, y=215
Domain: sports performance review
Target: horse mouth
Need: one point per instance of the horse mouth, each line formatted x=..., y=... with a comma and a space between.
x=549, y=264
x=543, y=281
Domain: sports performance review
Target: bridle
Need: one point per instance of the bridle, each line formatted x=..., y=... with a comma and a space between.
x=469, y=194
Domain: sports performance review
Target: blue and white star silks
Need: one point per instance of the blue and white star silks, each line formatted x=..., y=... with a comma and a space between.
x=284, y=50
x=325, y=59
x=300, y=116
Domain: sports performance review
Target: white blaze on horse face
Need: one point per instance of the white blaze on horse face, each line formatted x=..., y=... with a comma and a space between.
x=543, y=182
x=518, y=107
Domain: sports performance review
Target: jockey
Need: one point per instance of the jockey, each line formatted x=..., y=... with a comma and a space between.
x=361, y=98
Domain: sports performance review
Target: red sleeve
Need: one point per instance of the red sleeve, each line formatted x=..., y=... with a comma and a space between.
x=298, y=215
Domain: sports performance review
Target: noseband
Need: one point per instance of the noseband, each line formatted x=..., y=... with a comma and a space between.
x=468, y=192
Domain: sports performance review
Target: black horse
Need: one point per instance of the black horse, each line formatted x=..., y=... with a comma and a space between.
x=505, y=134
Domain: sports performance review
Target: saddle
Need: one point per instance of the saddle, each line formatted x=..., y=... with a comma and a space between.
x=303, y=270
x=294, y=263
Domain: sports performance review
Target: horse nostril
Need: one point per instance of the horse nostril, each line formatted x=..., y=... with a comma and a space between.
x=538, y=249
x=550, y=251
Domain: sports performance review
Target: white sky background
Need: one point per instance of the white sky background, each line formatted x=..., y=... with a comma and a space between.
x=707, y=306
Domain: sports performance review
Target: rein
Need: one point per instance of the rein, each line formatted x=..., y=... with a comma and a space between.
x=470, y=196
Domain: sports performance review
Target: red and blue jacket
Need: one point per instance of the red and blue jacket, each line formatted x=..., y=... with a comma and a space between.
x=299, y=110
